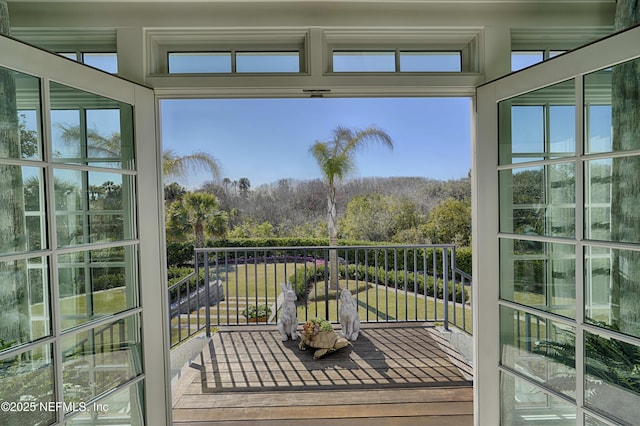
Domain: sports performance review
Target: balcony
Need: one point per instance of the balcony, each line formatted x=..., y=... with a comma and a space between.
x=402, y=368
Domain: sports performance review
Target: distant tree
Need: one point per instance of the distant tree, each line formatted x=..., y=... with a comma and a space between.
x=196, y=214
x=450, y=223
x=336, y=159
x=173, y=192
x=378, y=218
x=243, y=185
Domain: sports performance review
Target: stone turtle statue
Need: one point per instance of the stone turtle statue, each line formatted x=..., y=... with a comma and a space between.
x=319, y=334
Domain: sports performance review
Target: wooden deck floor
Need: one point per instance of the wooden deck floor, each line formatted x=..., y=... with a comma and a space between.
x=398, y=374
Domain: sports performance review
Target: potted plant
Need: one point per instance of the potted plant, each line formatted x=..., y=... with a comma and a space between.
x=257, y=313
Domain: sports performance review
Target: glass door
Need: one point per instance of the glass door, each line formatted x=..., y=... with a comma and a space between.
x=557, y=240
x=74, y=257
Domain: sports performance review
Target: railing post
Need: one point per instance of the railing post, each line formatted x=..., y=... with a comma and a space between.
x=207, y=303
x=327, y=268
x=445, y=286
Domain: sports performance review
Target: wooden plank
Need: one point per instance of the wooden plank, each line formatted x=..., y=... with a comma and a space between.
x=381, y=421
x=326, y=411
x=314, y=398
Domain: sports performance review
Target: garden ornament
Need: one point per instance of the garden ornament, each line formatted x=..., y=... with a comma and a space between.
x=288, y=322
x=349, y=319
x=318, y=333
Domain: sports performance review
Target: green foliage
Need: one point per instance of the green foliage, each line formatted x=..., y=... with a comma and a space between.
x=197, y=215
x=304, y=279
x=450, y=223
x=251, y=230
x=379, y=218
x=106, y=282
x=609, y=360
x=259, y=311
x=179, y=254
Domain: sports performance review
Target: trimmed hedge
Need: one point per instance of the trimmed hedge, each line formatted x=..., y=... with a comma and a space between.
x=304, y=279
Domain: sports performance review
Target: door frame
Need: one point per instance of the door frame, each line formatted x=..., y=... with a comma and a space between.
x=609, y=51
x=46, y=66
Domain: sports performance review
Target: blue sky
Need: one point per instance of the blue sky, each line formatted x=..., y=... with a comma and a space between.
x=268, y=139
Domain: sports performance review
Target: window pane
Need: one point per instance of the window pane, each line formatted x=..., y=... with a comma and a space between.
x=93, y=207
x=612, y=195
x=430, y=62
x=124, y=407
x=98, y=360
x=520, y=60
x=597, y=209
x=524, y=404
x=538, y=125
x=611, y=291
x=540, y=275
x=25, y=313
x=377, y=61
x=20, y=118
x=29, y=133
x=22, y=224
x=96, y=283
x=554, y=53
x=90, y=129
x=538, y=200
x=199, y=62
x=267, y=62
x=540, y=349
x=610, y=124
x=28, y=377
x=598, y=137
x=103, y=61
x=71, y=55
x=612, y=382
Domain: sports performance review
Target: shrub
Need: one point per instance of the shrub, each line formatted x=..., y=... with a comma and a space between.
x=259, y=311
x=304, y=278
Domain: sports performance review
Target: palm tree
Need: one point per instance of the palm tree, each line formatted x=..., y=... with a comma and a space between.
x=178, y=166
x=243, y=185
x=173, y=165
x=336, y=160
x=196, y=213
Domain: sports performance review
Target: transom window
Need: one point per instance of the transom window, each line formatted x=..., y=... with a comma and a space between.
x=396, y=61
x=105, y=61
x=525, y=58
x=234, y=62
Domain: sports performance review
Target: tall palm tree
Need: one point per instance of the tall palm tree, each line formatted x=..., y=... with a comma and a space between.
x=336, y=159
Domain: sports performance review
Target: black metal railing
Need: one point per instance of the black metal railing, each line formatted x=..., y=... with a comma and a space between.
x=241, y=286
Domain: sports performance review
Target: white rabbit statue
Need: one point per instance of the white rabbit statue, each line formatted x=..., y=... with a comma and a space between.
x=288, y=322
x=349, y=319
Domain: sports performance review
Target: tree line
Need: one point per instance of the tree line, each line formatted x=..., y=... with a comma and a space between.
x=404, y=210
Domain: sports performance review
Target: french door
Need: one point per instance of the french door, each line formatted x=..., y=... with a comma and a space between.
x=557, y=240
x=82, y=328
